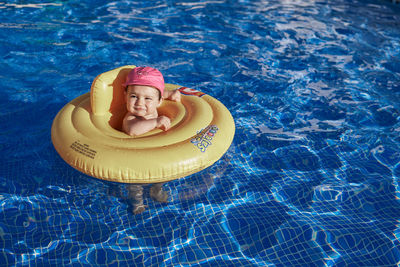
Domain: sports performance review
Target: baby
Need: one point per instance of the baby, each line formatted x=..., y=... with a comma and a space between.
x=144, y=93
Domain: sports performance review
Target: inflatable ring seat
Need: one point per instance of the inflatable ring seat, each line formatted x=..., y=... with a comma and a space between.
x=87, y=134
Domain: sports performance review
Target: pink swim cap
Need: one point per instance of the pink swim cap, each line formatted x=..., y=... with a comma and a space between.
x=146, y=76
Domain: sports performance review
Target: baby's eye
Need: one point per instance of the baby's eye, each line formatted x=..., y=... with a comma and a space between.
x=148, y=98
x=133, y=96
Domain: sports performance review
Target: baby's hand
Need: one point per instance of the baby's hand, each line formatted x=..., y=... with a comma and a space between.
x=176, y=96
x=173, y=95
x=163, y=123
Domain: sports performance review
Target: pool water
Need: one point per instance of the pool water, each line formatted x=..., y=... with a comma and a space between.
x=312, y=176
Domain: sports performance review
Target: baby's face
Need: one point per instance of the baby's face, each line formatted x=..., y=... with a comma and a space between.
x=142, y=101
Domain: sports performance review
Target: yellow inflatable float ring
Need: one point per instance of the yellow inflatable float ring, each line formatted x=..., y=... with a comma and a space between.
x=87, y=134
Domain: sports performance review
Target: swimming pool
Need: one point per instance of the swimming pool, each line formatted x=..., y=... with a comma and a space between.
x=311, y=179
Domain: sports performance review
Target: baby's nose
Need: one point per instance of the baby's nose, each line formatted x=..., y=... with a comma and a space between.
x=140, y=101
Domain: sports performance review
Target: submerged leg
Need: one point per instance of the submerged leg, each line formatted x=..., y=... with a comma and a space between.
x=135, y=193
x=157, y=193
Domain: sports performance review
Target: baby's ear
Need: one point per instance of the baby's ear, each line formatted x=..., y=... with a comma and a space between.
x=160, y=101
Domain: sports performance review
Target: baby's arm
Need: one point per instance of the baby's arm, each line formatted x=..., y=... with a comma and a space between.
x=136, y=126
x=174, y=95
